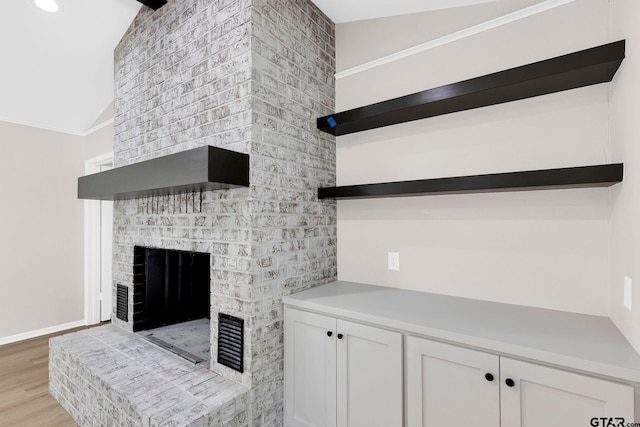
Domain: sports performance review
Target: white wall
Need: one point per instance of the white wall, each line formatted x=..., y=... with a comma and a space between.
x=541, y=248
x=41, y=224
x=625, y=199
x=99, y=142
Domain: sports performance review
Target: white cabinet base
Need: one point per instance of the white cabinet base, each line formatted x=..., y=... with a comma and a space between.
x=357, y=380
x=447, y=383
x=543, y=396
x=369, y=380
x=340, y=373
x=310, y=370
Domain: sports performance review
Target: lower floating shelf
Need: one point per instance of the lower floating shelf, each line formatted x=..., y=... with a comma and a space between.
x=575, y=177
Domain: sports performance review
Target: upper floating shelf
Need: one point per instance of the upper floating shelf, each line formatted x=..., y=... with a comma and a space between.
x=583, y=68
x=204, y=168
x=575, y=177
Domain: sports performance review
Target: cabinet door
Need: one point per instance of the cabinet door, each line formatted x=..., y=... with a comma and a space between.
x=369, y=380
x=310, y=370
x=450, y=385
x=542, y=396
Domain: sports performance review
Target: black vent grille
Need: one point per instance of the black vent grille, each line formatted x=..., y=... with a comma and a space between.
x=122, y=302
x=230, y=341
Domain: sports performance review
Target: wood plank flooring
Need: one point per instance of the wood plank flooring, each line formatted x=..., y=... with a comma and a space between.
x=24, y=385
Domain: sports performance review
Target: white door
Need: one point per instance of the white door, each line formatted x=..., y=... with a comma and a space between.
x=310, y=369
x=106, y=255
x=369, y=376
x=542, y=396
x=98, y=232
x=450, y=385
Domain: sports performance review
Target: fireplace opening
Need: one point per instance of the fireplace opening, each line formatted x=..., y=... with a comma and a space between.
x=171, y=301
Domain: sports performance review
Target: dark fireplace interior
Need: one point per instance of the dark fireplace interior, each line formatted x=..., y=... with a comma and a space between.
x=169, y=287
x=171, y=300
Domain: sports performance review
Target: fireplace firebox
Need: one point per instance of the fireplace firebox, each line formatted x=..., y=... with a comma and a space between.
x=169, y=287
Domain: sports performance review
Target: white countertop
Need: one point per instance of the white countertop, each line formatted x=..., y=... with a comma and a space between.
x=576, y=341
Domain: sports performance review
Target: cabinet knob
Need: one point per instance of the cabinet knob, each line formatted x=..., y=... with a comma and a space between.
x=488, y=376
x=509, y=382
x=340, y=336
x=329, y=333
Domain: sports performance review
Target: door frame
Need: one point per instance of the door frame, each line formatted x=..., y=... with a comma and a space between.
x=92, y=246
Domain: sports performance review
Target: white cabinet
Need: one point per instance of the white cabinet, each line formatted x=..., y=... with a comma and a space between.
x=310, y=370
x=341, y=373
x=447, y=384
x=543, y=396
x=369, y=376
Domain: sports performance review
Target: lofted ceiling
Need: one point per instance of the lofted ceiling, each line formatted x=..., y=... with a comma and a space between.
x=57, y=69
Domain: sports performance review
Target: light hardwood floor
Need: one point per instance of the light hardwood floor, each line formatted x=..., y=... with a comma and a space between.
x=24, y=386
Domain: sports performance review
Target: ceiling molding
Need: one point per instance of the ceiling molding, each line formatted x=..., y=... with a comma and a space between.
x=52, y=129
x=98, y=127
x=344, y=11
x=36, y=126
x=458, y=35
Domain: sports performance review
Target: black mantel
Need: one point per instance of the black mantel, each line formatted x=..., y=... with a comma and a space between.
x=204, y=168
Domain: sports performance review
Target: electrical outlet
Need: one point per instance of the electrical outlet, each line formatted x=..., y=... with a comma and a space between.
x=394, y=261
x=627, y=292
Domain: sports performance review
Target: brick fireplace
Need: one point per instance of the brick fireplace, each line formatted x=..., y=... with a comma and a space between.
x=249, y=76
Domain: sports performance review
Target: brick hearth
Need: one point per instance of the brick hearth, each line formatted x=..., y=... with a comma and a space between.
x=106, y=376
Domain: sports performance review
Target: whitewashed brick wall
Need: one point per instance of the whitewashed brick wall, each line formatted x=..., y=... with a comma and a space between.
x=251, y=76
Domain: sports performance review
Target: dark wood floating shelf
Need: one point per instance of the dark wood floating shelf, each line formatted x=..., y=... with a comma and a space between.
x=575, y=177
x=583, y=68
x=204, y=168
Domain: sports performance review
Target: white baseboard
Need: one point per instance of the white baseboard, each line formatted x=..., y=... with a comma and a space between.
x=40, y=332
